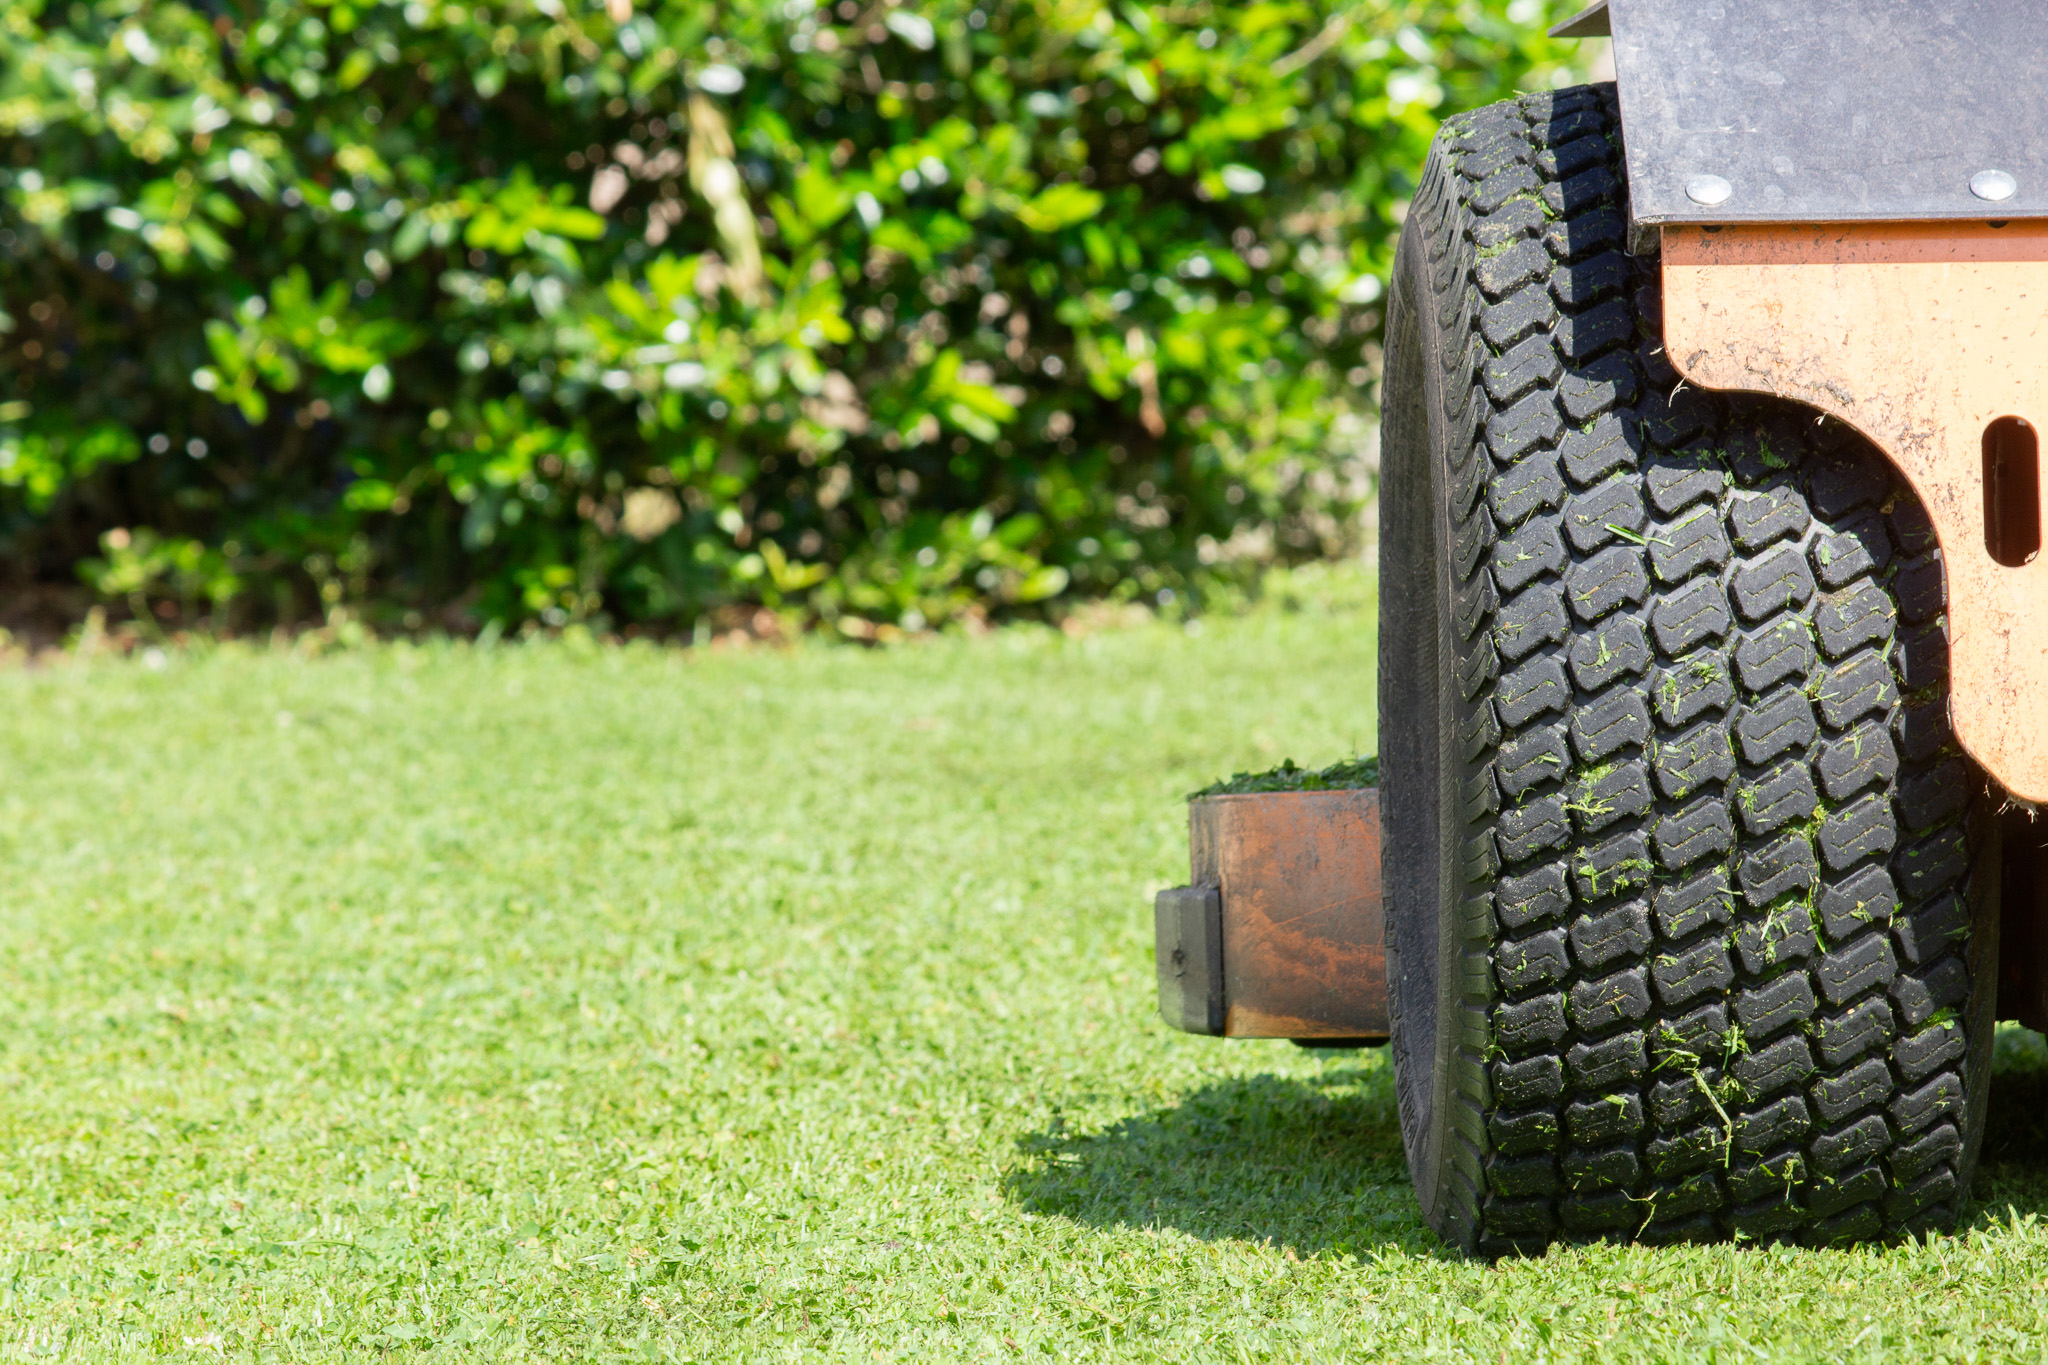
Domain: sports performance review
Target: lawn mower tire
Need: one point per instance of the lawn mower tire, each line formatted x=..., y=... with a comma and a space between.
x=1691, y=897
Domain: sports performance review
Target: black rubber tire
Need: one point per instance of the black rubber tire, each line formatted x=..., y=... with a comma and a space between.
x=1691, y=897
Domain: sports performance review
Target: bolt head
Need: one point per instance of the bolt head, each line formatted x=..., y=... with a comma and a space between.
x=1993, y=185
x=1708, y=191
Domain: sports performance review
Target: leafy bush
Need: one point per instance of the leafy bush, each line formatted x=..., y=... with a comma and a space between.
x=881, y=315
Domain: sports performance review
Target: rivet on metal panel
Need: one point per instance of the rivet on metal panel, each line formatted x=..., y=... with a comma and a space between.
x=1710, y=190
x=1993, y=185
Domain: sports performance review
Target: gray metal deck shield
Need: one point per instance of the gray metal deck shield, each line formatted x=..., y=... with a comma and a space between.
x=1830, y=110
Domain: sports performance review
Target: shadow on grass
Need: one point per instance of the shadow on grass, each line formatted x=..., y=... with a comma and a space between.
x=1313, y=1164
x=2013, y=1171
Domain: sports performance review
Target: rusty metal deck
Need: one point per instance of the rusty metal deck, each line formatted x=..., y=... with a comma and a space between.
x=1281, y=932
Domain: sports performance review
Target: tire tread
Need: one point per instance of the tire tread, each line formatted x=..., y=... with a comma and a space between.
x=1699, y=650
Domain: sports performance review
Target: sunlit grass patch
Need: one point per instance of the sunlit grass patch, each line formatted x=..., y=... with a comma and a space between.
x=536, y=1004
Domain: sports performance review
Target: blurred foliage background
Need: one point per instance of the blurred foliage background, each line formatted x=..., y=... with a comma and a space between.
x=675, y=314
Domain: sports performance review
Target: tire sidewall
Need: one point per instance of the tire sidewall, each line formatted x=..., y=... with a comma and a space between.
x=1416, y=726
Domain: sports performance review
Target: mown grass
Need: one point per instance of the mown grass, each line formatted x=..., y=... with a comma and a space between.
x=547, y=1003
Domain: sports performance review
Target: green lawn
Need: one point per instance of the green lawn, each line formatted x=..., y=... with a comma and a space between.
x=556, y=1004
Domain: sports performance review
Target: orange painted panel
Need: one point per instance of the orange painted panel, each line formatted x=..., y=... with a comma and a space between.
x=1919, y=335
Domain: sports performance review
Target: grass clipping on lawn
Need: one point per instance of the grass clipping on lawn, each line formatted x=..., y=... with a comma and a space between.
x=544, y=1003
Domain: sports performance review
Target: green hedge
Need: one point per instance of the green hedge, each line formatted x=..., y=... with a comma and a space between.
x=880, y=315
